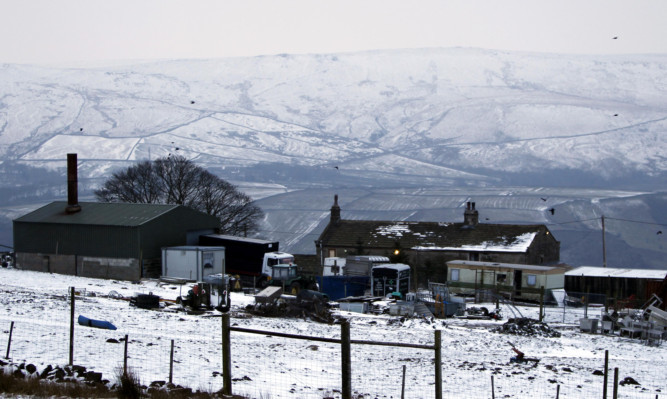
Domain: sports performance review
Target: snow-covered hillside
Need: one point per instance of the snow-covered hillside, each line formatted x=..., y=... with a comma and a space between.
x=406, y=119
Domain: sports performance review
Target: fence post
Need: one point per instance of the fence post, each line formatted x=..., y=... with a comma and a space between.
x=403, y=384
x=125, y=358
x=171, y=363
x=606, y=374
x=438, y=364
x=557, y=391
x=615, y=394
x=226, y=356
x=71, y=327
x=493, y=390
x=346, y=362
x=542, y=303
x=9, y=342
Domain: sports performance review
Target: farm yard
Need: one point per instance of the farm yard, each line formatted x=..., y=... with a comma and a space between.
x=36, y=312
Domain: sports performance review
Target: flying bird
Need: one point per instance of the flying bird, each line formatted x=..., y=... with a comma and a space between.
x=543, y=199
x=336, y=167
x=552, y=210
x=615, y=114
x=615, y=37
x=192, y=101
x=81, y=129
x=659, y=232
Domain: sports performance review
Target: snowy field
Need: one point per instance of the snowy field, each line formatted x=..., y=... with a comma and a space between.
x=474, y=356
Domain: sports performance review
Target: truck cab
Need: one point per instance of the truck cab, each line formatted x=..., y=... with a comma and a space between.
x=279, y=269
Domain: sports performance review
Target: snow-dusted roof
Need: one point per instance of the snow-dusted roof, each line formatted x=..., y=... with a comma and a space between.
x=518, y=244
x=433, y=236
x=594, y=271
x=503, y=265
x=394, y=266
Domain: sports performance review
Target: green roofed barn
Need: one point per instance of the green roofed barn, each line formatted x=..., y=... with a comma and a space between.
x=108, y=240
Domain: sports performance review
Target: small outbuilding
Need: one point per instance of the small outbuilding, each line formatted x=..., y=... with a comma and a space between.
x=511, y=280
x=632, y=287
x=192, y=262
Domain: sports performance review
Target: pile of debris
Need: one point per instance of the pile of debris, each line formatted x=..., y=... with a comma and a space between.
x=306, y=304
x=527, y=327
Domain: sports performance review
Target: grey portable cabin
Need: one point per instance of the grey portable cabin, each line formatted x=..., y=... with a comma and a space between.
x=361, y=265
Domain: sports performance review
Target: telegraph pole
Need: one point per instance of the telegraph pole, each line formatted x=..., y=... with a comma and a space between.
x=604, y=246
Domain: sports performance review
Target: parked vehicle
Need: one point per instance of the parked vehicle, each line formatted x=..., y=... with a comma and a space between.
x=259, y=263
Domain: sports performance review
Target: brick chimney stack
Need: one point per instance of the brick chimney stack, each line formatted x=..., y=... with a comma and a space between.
x=470, y=216
x=335, y=211
x=72, y=185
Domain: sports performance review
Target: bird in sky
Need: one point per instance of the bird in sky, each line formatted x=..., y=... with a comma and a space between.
x=543, y=199
x=192, y=101
x=659, y=232
x=336, y=167
x=81, y=129
x=615, y=114
x=615, y=37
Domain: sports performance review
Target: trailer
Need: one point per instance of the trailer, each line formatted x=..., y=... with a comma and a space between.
x=192, y=263
x=390, y=278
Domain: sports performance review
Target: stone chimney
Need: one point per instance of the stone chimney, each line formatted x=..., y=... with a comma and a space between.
x=72, y=183
x=470, y=216
x=335, y=211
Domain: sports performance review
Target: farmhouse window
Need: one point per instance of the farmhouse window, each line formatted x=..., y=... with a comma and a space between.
x=455, y=274
x=531, y=279
x=474, y=256
x=501, y=277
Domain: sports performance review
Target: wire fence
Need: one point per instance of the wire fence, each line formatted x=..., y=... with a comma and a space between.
x=187, y=349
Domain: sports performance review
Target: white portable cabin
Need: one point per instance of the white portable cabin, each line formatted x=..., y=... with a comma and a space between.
x=192, y=262
x=509, y=279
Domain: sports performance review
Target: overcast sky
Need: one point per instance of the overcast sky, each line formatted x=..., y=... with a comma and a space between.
x=67, y=31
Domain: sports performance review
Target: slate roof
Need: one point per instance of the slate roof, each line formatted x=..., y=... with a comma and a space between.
x=98, y=213
x=431, y=236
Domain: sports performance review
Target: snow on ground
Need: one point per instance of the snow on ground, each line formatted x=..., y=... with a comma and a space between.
x=268, y=366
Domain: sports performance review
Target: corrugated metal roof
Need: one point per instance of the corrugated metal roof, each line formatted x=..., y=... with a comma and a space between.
x=97, y=213
x=504, y=265
x=595, y=271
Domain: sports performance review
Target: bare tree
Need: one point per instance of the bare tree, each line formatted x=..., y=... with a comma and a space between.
x=177, y=180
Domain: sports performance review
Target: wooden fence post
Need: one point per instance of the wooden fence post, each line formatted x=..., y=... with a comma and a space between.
x=346, y=362
x=171, y=363
x=493, y=390
x=606, y=374
x=615, y=394
x=9, y=342
x=71, y=327
x=542, y=303
x=125, y=358
x=438, y=364
x=403, y=384
x=226, y=356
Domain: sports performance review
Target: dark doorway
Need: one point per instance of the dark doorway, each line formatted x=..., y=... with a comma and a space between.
x=517, y=282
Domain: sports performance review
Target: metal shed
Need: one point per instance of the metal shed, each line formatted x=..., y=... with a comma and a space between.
x=107, y=240
x=618, y=283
